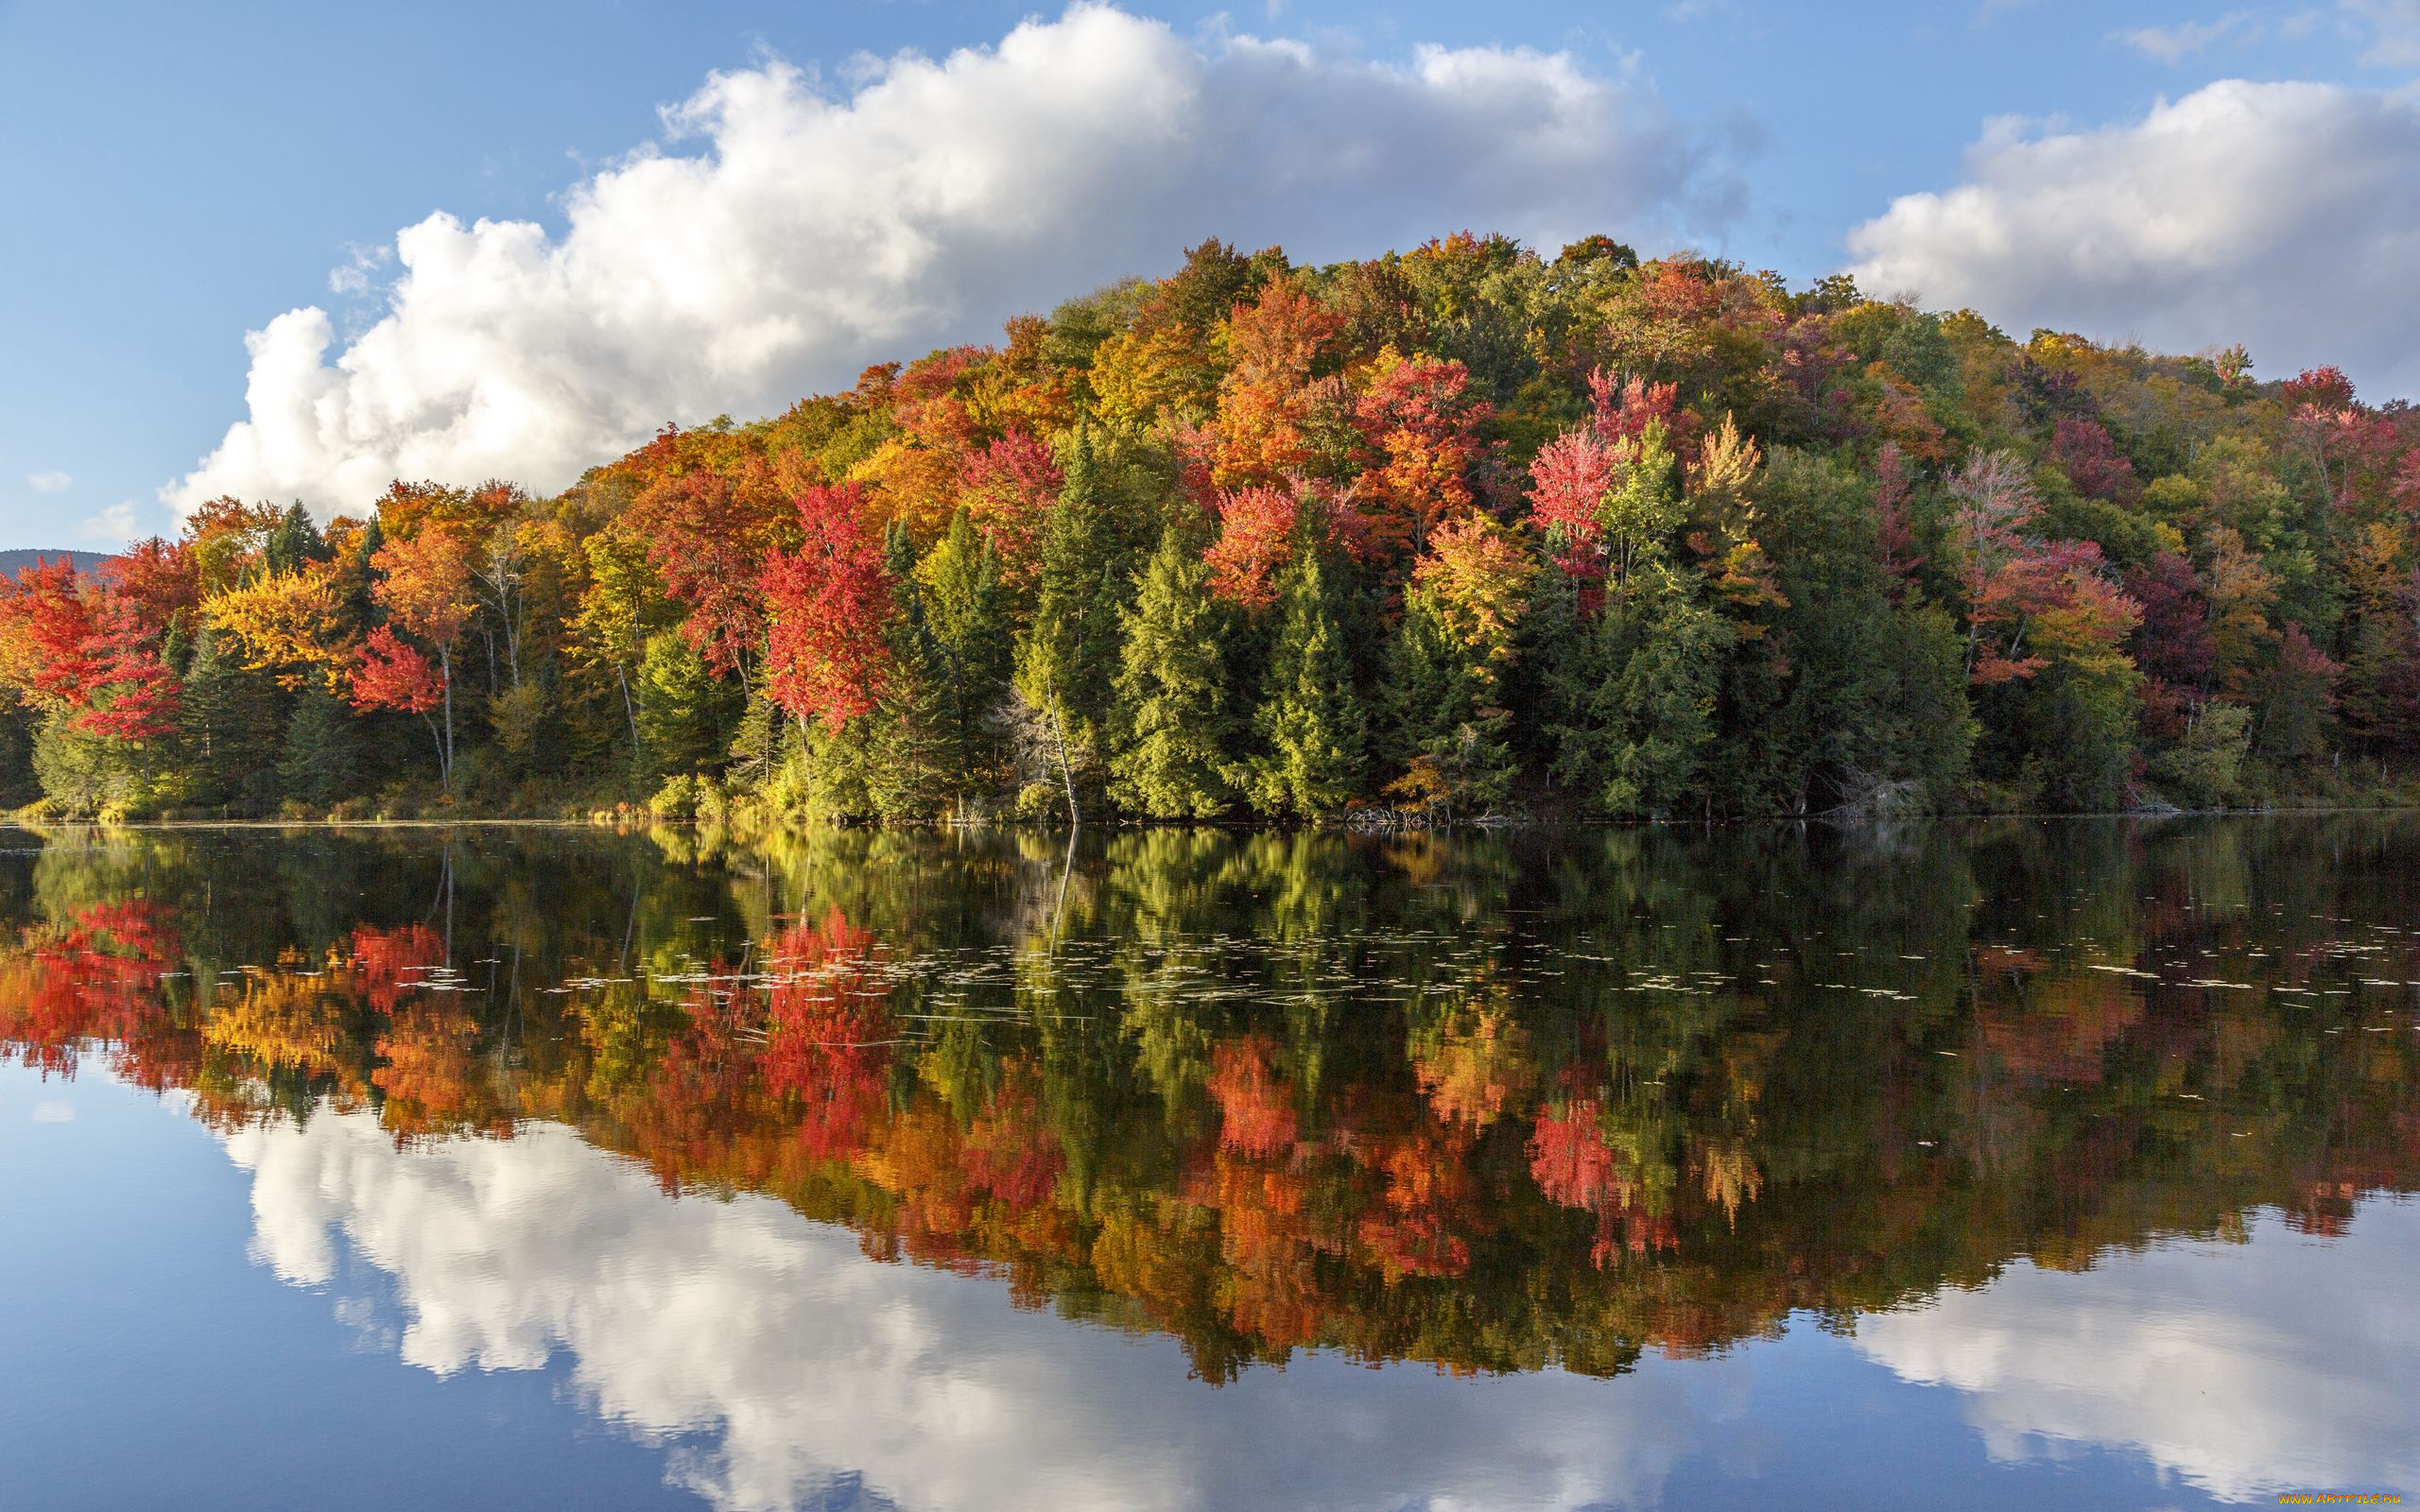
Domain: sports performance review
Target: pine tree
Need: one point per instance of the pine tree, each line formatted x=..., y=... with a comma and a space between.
x=1626, y=699
x=915, y=731
x=318, y=765
x=959, y=584
x=1665, y=647
x=1447, y=734
x=1445, y=686
x=1626, y=707
x=1069, y=659
x=230, y=721
x=1169, y=762
x=1309, y=717
x=359, y=598
x=293, y=541
x=18, y=785
x=685, y=711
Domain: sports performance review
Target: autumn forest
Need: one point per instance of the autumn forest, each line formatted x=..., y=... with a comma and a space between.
x=1462, y=532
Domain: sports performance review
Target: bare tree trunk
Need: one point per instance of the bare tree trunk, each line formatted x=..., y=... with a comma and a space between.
x=445, y=673
x=1066, y=772
x=629, y=709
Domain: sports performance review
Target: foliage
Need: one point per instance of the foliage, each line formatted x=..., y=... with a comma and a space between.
x=1462, y=529
x=1168, y=759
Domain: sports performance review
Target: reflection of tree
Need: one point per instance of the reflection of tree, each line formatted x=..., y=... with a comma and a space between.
x=1494, y=1104
x=1472, y=1055
x=98, y=975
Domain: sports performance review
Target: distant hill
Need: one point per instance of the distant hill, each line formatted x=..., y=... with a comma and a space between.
x=11, y=562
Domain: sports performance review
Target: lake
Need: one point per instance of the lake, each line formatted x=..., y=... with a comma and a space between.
x=2004, y=1164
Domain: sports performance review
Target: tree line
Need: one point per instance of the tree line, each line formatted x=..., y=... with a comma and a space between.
x=1458, y=532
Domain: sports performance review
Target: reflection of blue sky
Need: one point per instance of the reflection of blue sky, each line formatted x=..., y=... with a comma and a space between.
x=533, y=1287
x=2285, y=1363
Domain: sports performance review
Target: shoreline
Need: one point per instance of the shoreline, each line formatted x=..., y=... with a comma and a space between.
x=1484, y=826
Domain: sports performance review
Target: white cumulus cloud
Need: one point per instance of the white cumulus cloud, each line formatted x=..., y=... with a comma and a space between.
x=49, y=482
x=787, y=232
x=115, y=525
x=2283, y=216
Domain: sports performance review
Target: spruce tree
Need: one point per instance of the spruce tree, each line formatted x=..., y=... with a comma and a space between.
x=319, y=766
x=913, y=725
x=1653, y=719
x=960, y=581
x=358, y=598
x=294, y=540
x=1169, y=762
x=1309, y=719
x=1069, y=656
x=1625, y=704
x=229, y=724
x=1446, y=733
x=1625, y=700
x=685, y=711
x=18, y=785
x=895, y=760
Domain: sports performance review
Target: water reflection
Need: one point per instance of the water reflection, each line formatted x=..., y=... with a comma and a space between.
x=2289, y=1363
x=2004, y=1104
x=810, y=1371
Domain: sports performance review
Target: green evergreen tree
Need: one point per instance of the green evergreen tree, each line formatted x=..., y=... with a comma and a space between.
x=1309, y=719
x=1170, y=760
x=230, y=720
x=1627, y=702
x=1069, y=661
x=1929, y=728
x=960, y=602
x=685, y=711
x=18, y=785
x=1448, y=732
x=897, y=760
x=1815, y=702
x=319, y=766
x=2083, y=724
x=366, y=611
x=294, y=540
x=915, y=730
x=1665, y=647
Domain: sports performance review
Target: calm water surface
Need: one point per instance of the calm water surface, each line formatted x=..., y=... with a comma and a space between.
x=2004, y=1166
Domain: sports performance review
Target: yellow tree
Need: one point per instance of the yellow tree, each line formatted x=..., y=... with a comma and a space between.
x=1725, y=524
x=292, y=623
x=623, y=604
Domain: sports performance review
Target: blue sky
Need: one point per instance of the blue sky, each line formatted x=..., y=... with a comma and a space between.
x=182, y=176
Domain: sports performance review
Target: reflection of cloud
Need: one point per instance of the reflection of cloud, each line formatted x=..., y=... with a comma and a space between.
x=54, y=1110
x=2285, y=1363
x=813, y=1367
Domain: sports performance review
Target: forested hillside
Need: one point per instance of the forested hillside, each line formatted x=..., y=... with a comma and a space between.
x=13, y=562
x=1455, y=532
